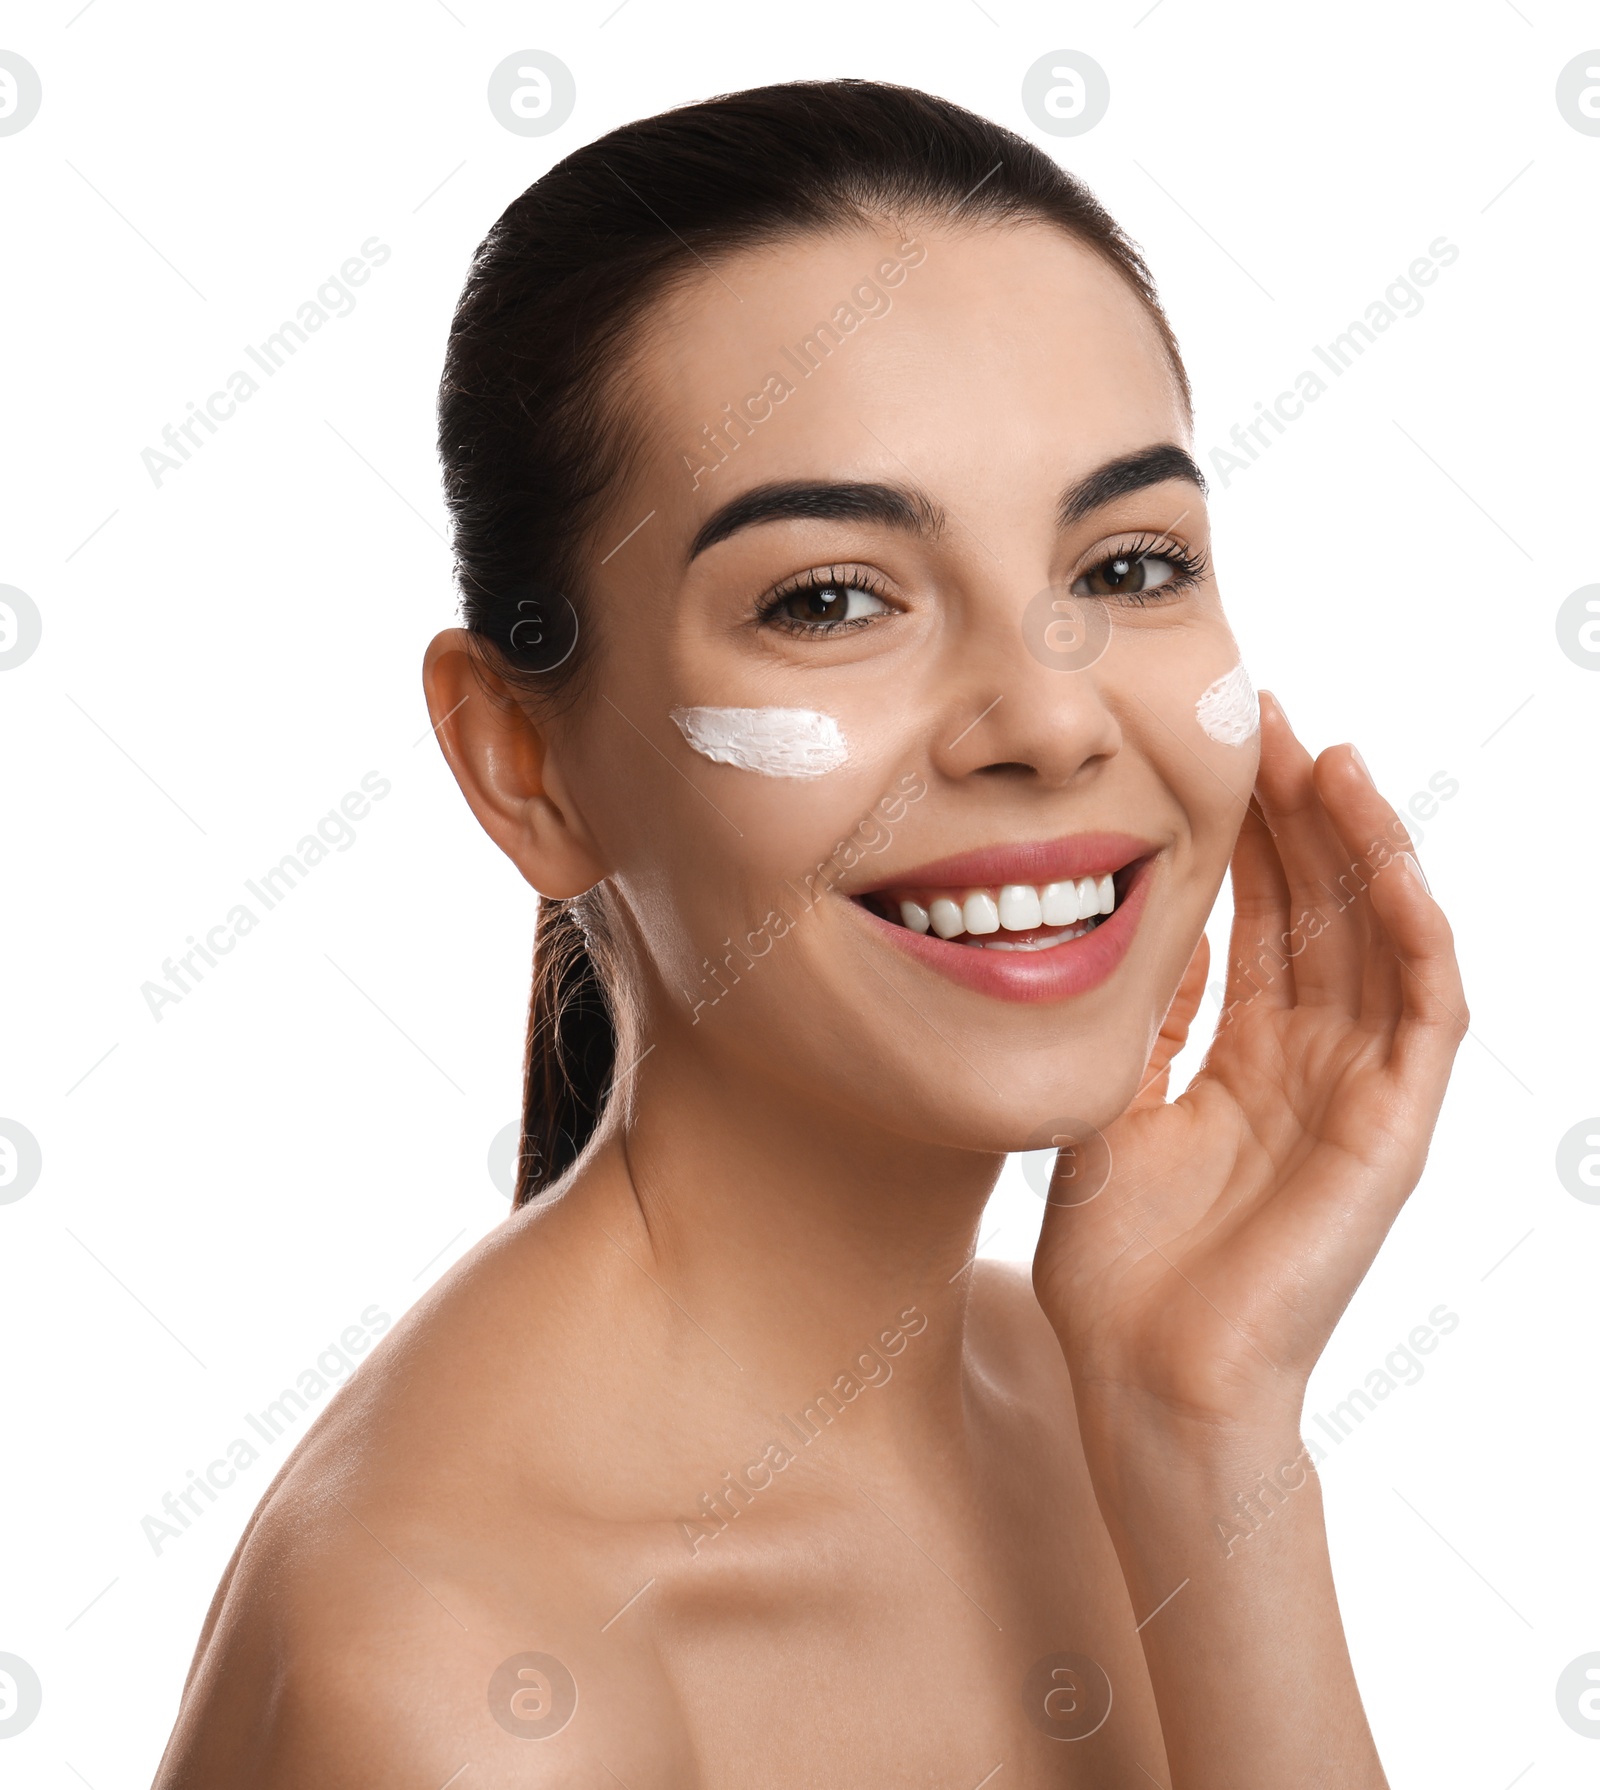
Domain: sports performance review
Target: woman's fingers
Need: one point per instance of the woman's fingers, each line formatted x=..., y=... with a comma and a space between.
x=1330, y=935
x=1413, y=981
x=1258, y=968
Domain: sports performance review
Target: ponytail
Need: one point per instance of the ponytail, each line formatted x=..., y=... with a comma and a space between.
x=572, y=1043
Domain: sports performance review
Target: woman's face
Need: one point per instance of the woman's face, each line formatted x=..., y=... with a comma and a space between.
x=945, y=523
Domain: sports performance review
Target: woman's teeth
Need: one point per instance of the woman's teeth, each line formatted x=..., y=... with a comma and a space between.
x=1016, y=907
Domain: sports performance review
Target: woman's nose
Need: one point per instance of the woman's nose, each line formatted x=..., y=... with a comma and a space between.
x=1026, y=692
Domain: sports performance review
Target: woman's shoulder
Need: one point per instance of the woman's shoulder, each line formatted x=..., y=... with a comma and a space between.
x=423, y=1584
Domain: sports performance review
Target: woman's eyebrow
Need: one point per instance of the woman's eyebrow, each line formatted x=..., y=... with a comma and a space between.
x=907, y=508
x=1123, y=476
x=821, y=500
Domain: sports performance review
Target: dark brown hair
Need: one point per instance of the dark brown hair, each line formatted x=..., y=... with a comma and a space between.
x=534, y=421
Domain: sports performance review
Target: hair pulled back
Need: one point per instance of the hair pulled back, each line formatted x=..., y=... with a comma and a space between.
x=534, y=419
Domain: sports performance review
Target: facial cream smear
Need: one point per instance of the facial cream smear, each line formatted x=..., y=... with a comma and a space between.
x=1227, y=710
x=770, y=742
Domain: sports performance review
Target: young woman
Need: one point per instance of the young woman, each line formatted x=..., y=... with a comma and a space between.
x=845, y=668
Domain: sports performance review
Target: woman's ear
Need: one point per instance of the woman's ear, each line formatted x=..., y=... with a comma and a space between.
x=500, y=759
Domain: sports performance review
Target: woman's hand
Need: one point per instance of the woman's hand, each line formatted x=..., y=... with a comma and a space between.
x=1197, y=1288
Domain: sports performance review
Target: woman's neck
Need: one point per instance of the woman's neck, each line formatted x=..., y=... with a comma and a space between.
x=793, y=1238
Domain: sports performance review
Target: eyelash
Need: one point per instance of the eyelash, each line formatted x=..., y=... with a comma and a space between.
x=820, y=578
x=1188, y=569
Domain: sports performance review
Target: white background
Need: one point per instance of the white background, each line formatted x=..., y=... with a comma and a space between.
x=225, y=655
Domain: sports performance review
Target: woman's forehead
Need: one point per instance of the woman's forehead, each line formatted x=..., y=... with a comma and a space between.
x=955, y=359
x=951, y=293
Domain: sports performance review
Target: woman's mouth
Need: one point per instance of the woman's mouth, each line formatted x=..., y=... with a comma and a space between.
x=1036, y=922
x=1004, y=916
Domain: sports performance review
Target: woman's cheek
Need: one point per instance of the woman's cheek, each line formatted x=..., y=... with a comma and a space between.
x=796, y=788
x=1203, y=724
x=1227, y=710
x=756, y=811
x=785, y=745
x=1227, y=717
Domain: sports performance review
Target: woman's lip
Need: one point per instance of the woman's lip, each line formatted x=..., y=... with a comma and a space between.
x=1054, y=974
x=1041, y=861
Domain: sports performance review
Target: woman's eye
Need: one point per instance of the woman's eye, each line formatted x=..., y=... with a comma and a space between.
x=1125, y=575
x=825, y=605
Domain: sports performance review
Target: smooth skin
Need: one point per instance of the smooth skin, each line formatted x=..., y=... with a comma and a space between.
x=797, y=1172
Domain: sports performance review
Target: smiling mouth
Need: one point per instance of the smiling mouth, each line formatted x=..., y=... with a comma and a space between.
x=1004, y=916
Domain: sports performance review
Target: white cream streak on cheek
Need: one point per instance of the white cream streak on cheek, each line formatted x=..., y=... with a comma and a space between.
x=1228, y=711
x=771, y=742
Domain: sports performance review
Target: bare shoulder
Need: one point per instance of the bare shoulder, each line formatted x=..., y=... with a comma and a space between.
x=425, y=1587
x=371, y=1658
